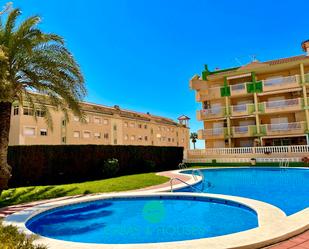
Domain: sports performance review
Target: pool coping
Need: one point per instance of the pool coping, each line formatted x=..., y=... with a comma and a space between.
x=274, y=225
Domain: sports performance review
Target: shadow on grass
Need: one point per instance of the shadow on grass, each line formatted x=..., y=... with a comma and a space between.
x=13, y=197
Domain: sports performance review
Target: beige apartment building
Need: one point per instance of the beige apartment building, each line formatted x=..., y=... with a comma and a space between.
x=258, y=104
x=101, y=125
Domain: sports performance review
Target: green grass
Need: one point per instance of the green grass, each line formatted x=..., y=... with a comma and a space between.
x=27, y=194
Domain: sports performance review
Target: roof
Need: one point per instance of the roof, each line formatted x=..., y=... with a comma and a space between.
x=183, y=117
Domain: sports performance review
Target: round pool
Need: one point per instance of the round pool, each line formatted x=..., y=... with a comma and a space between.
x=286, y=188
x=143, y=220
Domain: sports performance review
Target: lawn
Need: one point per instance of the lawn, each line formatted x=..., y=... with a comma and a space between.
x=27, y=194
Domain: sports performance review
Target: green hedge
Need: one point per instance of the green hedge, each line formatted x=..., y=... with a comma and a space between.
x=61, y=164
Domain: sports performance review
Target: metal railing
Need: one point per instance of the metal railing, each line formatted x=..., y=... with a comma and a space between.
x=189, y=185
x=282, y=103
x=278, y=81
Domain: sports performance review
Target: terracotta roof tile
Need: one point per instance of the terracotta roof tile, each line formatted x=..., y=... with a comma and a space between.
x=286, y=60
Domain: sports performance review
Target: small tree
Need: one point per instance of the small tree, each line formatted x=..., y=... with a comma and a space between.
x=193, y=137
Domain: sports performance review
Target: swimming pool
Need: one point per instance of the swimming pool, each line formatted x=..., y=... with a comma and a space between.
x=143, y=220
x=286, y=188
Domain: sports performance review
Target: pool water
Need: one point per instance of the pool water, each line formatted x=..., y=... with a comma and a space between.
x=143, y=220
x=286, y=188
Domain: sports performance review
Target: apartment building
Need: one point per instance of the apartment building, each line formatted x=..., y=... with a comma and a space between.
x=258, y=104
x=100, y=125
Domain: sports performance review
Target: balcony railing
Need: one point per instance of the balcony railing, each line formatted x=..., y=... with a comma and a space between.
x=285, y=128
x=244, y=109
x=215, y=112
x=282, y=105
x=281, y=83
x=244, y=131
x=239, y=89
x=212, y=133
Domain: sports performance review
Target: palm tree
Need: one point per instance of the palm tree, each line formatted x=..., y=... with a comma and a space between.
x=31, y=60
x=193, y=137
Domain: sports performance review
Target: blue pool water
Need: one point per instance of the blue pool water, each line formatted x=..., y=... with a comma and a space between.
x=286, y=188
x=143, y=220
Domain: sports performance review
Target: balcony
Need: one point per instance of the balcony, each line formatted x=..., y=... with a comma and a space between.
x=239, y=89
x=218, y=112
x=242, y=110
x=286, y=105
x=215, y=133
x=285, y=128
x=281, y=83
x=244, y=131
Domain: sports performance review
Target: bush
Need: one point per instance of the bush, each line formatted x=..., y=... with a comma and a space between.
x=10, y=238
x=111, y=167
x=61, y=164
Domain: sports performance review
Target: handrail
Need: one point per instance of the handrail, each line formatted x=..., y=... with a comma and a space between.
x=176, y=178
x=199, y=173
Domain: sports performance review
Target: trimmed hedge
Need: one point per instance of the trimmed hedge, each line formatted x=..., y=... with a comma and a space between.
x=61, y=164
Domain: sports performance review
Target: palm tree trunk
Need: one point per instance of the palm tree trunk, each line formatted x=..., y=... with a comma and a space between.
x=194, y=145
x=5, y=119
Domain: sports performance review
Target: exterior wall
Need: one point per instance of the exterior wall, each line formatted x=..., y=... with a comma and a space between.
x=97, y=128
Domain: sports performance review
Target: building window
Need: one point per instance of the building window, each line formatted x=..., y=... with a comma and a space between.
x=146, y=138
x=43, y=132
x=97, y=120
x=115, y=141
x=132, y=137
x=140, y=138
x=163, y=139
x=105, y=121
x=115, y=127
x=16, y=110
x=169, y=139
x=76, y=118
x=76, y=134
x=97, y=135
x=173, y=140
x=87, y=134
x=151, y=131
x=64, y=140
x=132, y=125
x=139, y=126
x=40, y=113
x=29, y=131
x=126, y=137
x=145, y=126
x=105, y=135
x=64, y=123
x=28, y=111
x=87, y=119
x=125, y=124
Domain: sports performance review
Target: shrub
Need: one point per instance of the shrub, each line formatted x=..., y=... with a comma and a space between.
x=10, y=238
x=111, y=167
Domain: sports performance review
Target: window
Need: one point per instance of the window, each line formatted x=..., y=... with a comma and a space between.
x=64, y=140
x=173, y=140
x=87, y=134
x=97, y=135
x=146, y=138
x=145, y=126
x=132, y=125
x=115, y=127
x=140, y=138
x=76, y=118
x=76, y=134
x=28, y=111
x=169, y=139
x=87, y=119
x=139, y=126
x=105, y=135
x=163, y=139
x=64, y=123
x=97, y=120
x=40, y=113
x=151, y=131
x=105, y=121
x=115, y=141
x=43, y=132
x=132, y=137
x=125, y=124
x=29, y=131
x=126, y=137
x=16, y=110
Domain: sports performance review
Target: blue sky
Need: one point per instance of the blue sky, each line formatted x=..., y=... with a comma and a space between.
x=140, y=54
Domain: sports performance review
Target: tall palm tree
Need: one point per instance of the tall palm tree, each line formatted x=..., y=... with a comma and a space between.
x=31, y=60
x=193, y=137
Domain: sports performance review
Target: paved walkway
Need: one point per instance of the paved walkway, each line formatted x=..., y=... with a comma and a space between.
x=298, y=242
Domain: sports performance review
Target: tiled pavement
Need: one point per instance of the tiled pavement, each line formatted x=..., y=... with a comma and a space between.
x=298, y=242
